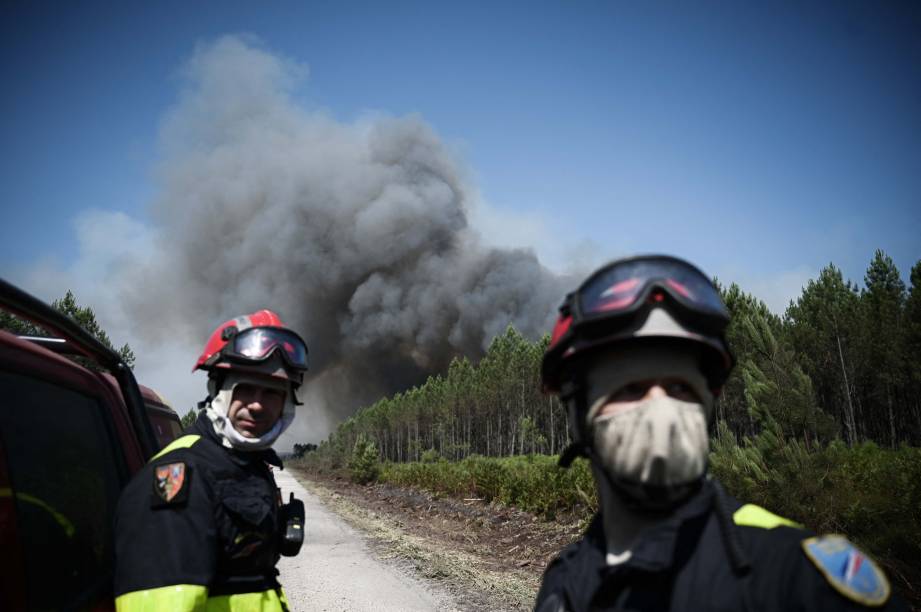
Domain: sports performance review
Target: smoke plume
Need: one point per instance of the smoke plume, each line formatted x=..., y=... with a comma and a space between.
x=357, y=234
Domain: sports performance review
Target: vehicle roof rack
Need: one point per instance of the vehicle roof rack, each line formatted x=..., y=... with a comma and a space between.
x=72, y=339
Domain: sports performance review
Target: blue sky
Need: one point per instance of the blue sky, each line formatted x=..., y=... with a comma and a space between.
x=759, y=142
x=755, y=141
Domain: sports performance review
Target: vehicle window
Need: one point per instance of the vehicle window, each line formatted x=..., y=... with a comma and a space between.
x=64, y=478
x=165, y=428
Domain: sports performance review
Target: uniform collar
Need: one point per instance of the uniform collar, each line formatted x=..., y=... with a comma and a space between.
x=656, y=549
x=659, y=548
x=202, y=426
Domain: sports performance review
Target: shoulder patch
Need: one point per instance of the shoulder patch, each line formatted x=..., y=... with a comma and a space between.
x=848, y=570
x=171, y=484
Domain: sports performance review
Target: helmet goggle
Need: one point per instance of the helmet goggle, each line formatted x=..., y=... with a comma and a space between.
x=257, y=344
x=612, y=296
x=612, y=301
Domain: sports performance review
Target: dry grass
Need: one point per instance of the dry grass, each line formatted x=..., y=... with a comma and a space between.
x=462, y=572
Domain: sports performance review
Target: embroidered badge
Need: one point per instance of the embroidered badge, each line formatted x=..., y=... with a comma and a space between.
x=849, y=571
x=171, y=483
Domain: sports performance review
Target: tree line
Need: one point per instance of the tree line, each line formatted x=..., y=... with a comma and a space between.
x=81, y=315
x=841, y=363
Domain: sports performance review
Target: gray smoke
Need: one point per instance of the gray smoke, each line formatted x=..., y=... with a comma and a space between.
x=357, y=234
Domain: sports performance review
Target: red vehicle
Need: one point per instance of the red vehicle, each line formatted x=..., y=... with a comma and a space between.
x=165, y=422
x=163, y=419
x=71, y=435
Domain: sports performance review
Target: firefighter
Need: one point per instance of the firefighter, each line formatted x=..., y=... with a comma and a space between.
x=638, y=356
x=202, y=525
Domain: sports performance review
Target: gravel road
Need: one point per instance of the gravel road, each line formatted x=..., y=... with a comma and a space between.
x=336, y=571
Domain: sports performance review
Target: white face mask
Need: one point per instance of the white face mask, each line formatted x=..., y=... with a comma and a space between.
x=656, y=448
x=662, y=442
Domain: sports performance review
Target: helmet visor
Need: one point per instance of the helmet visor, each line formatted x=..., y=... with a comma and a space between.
x=258, y=344
x=625, y=286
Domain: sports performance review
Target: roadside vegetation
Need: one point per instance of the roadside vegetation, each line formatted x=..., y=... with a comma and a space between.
x=820, y=421
x=530, y=482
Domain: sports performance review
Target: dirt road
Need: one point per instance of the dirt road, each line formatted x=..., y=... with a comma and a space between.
x=335, y=570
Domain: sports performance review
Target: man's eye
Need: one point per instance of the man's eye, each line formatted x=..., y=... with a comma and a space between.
x=681, y=390
x=631, y=391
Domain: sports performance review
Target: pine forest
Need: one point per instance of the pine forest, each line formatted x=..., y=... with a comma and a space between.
x=820, y=420
x=841, y=364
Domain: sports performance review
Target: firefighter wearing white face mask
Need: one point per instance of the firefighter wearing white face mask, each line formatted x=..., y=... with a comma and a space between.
x=202, y=526
x=639, y=356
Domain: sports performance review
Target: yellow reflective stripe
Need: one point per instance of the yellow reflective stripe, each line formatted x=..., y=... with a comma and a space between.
x=179, y=597
x=62, y=520
x=193, y=597
x=266, y=601
x=183, y=442
x=751, y=515
x=283, y=598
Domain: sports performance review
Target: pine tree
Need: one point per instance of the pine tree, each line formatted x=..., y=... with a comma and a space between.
x=823, y=326
x=911, y=347
x=81, y=315
x=732, y=406
x=189, y=418
x=882, y=302
x=778, y=394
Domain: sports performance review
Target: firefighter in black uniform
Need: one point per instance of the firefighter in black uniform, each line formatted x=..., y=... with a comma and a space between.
x=638, y=356
x=203, y=525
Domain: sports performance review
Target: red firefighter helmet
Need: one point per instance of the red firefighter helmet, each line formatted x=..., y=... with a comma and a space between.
x=258, y=343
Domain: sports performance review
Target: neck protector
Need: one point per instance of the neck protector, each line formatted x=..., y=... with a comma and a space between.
x=218, y=410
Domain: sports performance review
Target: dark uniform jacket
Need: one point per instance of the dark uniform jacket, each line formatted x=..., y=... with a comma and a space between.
x=716, y=554
x=197, y=529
